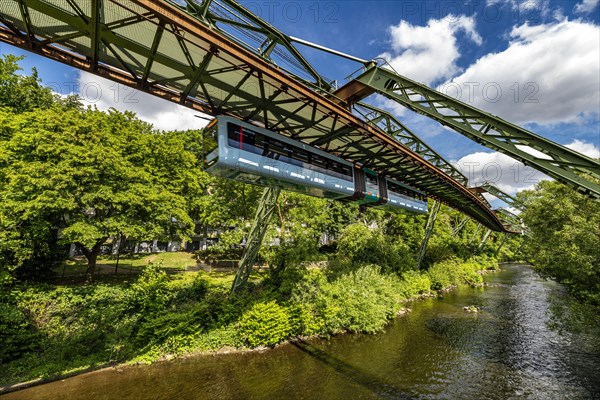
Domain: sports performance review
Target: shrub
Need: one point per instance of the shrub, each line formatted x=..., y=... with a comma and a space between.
x=362, y=246
x=150, y=292
x=16, y=334
x=414, y=283
x=365, y=300
x=265, y=324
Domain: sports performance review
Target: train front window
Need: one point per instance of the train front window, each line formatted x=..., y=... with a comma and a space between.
x=242, y=138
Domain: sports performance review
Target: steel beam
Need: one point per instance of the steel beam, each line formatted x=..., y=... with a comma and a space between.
x=474, y=236
x=460, y=226
x=393, y=127
x=265, y=210
x=433, y=213
x=504, y=237
x=559, y=162
x=486, y=236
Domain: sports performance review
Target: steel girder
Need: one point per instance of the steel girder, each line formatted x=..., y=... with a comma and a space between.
x=162, y=49
x=264, y=212
x=393, y=127
x=461, y=224
x=559, y=162
x=486, y=236
x=256, y=35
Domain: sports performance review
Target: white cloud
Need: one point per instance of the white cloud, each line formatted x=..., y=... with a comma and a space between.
x=526, y=10
x=549, y=73
x=505, y=173
x=161, y=113
x=429, y=53
x=588, y=149
x=586, y=6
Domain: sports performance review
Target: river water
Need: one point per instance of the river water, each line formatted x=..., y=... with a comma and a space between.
x=527, y=342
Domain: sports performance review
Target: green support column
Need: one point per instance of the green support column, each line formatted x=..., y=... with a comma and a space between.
x=504, y=237
x=460, y=225
x=433, y=213
x=265, y=210
x=484, y=240
x=474, y=236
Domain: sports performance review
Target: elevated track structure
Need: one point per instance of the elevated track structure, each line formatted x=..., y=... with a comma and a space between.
x=216, y=57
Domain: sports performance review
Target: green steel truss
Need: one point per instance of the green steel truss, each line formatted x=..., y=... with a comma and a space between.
x=264, y=212
x=258, y=36
x=390, y=125
x=493, y=190
x=559, y=162
x=433, y=213
x=173, y=51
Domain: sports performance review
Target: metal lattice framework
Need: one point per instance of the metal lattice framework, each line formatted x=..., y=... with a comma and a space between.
x=557, y=161
x=393, y=127
x=159, y=47
x=264, y=212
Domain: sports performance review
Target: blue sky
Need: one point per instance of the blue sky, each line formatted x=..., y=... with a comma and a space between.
x=543, y=55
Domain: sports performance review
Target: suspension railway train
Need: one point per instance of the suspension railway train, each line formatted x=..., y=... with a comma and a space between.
x=251, y=154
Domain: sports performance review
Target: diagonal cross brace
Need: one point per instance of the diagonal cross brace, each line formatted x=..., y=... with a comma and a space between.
x=265, y=210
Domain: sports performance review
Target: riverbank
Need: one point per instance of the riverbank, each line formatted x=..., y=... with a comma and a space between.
x=74, y=329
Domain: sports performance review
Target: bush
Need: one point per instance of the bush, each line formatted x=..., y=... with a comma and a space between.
x=414, y=283
x=16, y=334
x=365, y=300
x=150, y=292
x=456, y=272
x=265, y=324
x=362, y=246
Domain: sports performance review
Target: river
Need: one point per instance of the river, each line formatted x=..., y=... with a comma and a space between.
x=527, y=342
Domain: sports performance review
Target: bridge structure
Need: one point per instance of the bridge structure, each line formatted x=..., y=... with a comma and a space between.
x=216, y=57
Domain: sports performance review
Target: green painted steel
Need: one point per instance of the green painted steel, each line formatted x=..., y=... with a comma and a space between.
x=393, y=127
x=504, y=237
x=486, y=236
x=256, y=35
x=493, y=190
x=217, y=58
x=460, y=226
x=474, y=236
x=557, y=161
x=433, y=213
x=266, y=207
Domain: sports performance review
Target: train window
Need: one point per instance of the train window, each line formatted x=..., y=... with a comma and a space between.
x=319, y=161
x=371, y=183
x=243, y=138
x=405, y=191
x=278, y=150
x=300, y=156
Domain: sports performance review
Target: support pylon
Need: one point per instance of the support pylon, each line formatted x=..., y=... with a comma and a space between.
x=474, y=236
x=486, y=236
x=433, y=213
x=460, y=225
x=504, y=237
x=265, y=210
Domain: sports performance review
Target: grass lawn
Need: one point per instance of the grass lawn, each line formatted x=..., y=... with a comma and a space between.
x=176, y=261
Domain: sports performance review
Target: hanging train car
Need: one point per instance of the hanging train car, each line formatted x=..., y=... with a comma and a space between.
x=251, y=154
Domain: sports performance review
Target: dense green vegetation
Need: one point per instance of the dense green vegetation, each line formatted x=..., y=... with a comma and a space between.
x=564, y=243
x=75, y=175
x=47, y=329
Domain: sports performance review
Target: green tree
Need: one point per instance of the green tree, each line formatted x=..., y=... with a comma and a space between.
x=93, y=175
x=21, y=92
x=564, y=240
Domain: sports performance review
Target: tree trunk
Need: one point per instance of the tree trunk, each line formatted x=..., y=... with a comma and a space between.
x=92, y=256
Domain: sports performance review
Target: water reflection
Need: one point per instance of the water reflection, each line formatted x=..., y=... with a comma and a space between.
x=522, y=344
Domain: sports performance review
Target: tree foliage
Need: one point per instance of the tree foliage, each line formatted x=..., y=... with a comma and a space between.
x=564, y=243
